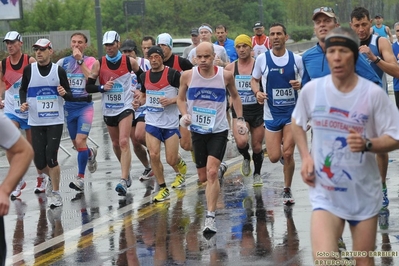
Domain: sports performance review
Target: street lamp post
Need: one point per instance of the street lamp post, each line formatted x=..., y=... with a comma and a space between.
x=261, y=11
x=99, y=27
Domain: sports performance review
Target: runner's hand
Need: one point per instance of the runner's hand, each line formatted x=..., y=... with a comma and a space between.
x=241, y=126
x=185, y=120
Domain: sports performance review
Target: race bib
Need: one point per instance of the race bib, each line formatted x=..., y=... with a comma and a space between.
x=114, y=97
x=203, y=120
x=283, y=96
x=77, y=83
x=47, y=106
x=17, y=104
x=153, y=101
x=243, y=85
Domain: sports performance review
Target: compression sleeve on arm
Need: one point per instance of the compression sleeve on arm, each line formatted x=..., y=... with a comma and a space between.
x=24, y=83
x=65, y=84
x=91, y=86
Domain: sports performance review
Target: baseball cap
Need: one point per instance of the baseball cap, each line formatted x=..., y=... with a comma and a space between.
x=128, y=45
x=378, y=16
x=12, y=36
x=194, y=32
x=258, y=24
x=328, y=11
x=44, y=43
x=110, y=37
x=164, y=38
x=155, y=50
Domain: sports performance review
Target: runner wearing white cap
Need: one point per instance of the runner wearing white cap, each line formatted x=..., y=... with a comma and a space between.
x=114, y=72
x=48, y=86
x=11, y=69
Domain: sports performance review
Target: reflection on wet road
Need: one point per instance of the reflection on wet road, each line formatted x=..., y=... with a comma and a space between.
x=98, y=227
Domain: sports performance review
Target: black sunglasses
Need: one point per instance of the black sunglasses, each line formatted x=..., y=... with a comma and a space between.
x=127, y=51
x=40, y=48
x=325, y=9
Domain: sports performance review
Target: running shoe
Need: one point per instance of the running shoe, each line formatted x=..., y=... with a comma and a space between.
x=146, y=174
x=92, y=163
x=49, y=187
x=17, y=192
x=163, y=194
x=210, y=225
x=341, y=245
x=385, y=200
x=246, y=167
x=383, y=219
x=222, y=169
x=258, y=182
x=287, y=196
x=78, y=184
x=179, y=181
x=182, y=167
x=55, y=200
x=40, y=185
x=121, y=188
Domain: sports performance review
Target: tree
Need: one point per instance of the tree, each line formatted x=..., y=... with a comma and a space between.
x=53, y=15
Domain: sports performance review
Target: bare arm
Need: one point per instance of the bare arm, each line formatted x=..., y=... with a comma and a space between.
x=91, y=86
x=95, y=70
x=230, y=67
x=260, y=95
x=231, y=87
x=307, y=169
x=388, y=63
x=185, y=79
x=77, y=54
x=381, y=144
x=20, y=156
x=388, y=30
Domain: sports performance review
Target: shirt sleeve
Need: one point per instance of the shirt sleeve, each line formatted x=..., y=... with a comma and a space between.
x=8, y=132
x=185, y=64
x=174, y=78
x=60, y=62
x=141, y=81
x=301, y=113
x=25, y=82
x=260, y=66
x=299, y=65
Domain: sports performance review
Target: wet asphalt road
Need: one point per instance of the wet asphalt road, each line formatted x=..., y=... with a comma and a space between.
x=98, y=227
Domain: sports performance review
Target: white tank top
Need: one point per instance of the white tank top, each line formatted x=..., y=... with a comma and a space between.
x=260, y=48
x=45, y=104
x=206, y=102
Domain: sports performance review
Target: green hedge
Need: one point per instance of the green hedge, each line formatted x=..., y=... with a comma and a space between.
x=299, y=33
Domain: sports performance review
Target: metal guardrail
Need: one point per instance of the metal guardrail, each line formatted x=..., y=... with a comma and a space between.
x=65, y=136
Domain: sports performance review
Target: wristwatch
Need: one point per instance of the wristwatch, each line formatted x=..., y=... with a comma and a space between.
x=368, y=145
x=377, y=60
x=80, y=62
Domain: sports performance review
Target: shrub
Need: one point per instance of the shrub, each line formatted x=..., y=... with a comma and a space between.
x=301, y=33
